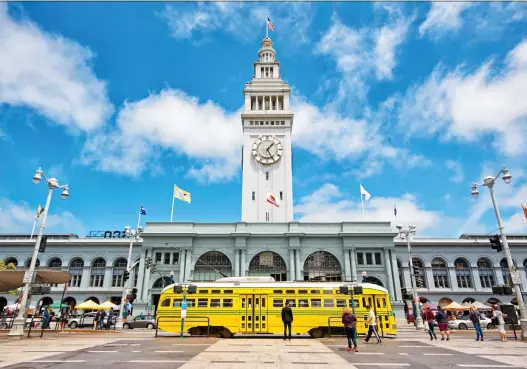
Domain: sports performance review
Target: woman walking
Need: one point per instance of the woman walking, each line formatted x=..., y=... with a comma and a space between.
x=428, y=316
x=497, y=319
x=350, y=327
x=474, y=318
x=442, y=321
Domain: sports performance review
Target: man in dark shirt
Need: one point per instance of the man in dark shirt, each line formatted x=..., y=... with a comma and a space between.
x=287, y=318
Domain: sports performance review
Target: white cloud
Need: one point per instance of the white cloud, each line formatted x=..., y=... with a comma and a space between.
x=50, y=74
x=467, y=106
x=330, y=204
x=169, y=120
x=19, y=218
x=455, y=167
x=444, y=17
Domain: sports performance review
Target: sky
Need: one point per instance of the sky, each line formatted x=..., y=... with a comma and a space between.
x=415, y=101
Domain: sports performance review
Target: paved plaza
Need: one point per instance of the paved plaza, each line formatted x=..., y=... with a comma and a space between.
x=130, y=350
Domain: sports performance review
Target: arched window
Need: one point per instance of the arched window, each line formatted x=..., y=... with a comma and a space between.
x=268, y=263
x=204, y=268
x=28, y=263
x=119, y=267
x=322, y=266
x=76, y=268
x=486, y=273
x=524, y=266
x=505, y=271
x=161, y=282
x=401, y=271
x=13, y=261
x=419, y=273
x=55, y=263
x=98, y=267
x=463, y=273
x=440, y=273
x=373, y=280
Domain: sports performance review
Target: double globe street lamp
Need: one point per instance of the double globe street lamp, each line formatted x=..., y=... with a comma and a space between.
x=135, y=235
x=29, y=277
x=489, y=182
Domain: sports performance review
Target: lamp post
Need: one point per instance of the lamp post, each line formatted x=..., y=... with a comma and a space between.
x=134, y=235
x=408, y=233
x=489, y=182
x=17, y=330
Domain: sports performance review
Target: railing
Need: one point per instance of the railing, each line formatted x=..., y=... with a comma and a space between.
x=41, y=319
x=6, y=321
x=189, y=319
x=380, y=323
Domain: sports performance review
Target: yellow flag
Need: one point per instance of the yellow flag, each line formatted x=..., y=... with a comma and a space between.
x=181, y=194
x=40, y=210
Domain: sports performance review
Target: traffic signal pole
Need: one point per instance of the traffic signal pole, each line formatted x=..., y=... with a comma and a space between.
x=417, y=313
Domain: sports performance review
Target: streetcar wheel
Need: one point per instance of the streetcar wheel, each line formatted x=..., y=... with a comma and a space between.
x=317, y=333
x=226, y=333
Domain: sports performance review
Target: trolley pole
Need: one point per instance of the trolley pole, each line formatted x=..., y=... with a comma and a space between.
x=183, y=312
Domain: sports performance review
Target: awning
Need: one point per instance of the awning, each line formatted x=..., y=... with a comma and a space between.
x=455, y=306
x=12, y=279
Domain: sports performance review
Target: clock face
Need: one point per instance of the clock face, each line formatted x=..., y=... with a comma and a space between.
x=267, y=150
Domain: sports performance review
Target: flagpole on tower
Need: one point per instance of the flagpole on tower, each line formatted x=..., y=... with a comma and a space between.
x=362, y=202
x=172, y=211
x=266, y=26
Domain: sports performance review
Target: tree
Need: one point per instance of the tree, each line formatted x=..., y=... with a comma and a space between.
x=9, y=266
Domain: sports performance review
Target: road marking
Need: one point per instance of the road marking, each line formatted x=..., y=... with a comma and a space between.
x=100, y=352
x=380, y=364
x=418, y=346
x=191, y=344
x=159, y=352
x=369, y=353
x=438, y=354
x=56, y=361
x=136, y=351
x=135, y=344
x=157, y=361
x=485, y=366
x=403, y=353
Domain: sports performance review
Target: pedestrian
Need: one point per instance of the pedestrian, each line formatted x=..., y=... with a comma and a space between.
x=372, y=325
x=96, y=320
x=350, y=328
x=287, y=319
x=442, y=322
x=101, y=319
x=45, y=318
x=474, y=318
x=497, y=320
x=428, y=317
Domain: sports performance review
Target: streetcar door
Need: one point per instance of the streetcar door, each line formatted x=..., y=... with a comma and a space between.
x=246, y=313
x=260, y=314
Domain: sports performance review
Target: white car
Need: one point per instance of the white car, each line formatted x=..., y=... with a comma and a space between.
x=464, y=322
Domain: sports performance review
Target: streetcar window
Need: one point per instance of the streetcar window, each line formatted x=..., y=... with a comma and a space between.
x=316, y=303
x=328, y=292
x=292, y=303
x=215, y=303
x=203, y=291
x=278, y=291
x=203, y=302
x=364, y=301
x=278, y=303
x=303, y=303
x=176, y=303
x=227, y=303
x=341, y=303
x=315, y=292
x=290, y=291
x=191, y=302
x=378, y=303
x=165, y=303
x=302, y=291
x=328, y=303
x=227, y=291
x=383, y=302
x=355, y=304
x=215, y=291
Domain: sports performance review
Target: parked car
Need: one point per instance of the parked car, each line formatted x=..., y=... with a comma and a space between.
x=145, y=321
x=82, y=321
x=464, y=322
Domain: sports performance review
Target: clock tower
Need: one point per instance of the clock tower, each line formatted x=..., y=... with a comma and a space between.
x=267, y=154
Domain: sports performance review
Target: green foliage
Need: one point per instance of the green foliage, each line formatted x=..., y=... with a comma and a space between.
x=9, y=266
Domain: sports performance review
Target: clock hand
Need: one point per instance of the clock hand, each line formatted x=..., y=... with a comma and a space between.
x=269, y=148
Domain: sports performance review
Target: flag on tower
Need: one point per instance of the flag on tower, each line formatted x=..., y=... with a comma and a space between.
x=271, y=199
x=270, y=24
x=142, y=211
x=181, y=194
x=40, y=210
x=524, y=210
x=364, y=193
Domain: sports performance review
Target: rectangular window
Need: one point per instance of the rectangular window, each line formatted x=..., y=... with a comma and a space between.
x=278, y=291
x=203, y=303
x=341, y=303
x=175, y=258
x=315, y=292
x=281, y=195
x=302, y=292
x=254, y=195
x=215, y=303
x=278, y=303
x=290, y=291
x=328, y=292
x=191, y=302
x=227, y=303
x=158, y=257
x=378, y=258
x=167, y=258
x=266, y=217
x=360, y=258
x=177, y=303
x=266, y=176
x=203, y=291
x=316, y=303
x=355, y=303
x=292, y=303
x=303, y=303
x=227, y=291
x=215, y=291
x=369, y=259
x=328, y=303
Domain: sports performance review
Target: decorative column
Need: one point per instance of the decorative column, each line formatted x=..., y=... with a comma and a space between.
x=240, y=244
x=146, y=283
x=453, y=278
x=243, y=265
x=108, y=273
x=294, y=244
x=475, y=278
x=141, y=274
x=298, y=268
x=407, y=276
x=291, y=264
x=347, y=271
x=353, y=264
x=388, y=268
x=85, y=281
x=397, y=292
x=182, y=254
x=236, y=262
x=188, y=265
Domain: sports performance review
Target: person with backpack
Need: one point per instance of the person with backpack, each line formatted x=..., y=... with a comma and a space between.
x=350, y=328
x=442, y=322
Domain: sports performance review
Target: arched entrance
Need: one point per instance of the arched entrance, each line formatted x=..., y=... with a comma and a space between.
x=3, y=304
x=70, y=301
x=209, y=264
x=493, y=301
x=268, y=263
x=44, y=301
x=444, y=302
x=94, y=299
x=468, y=300
x=322, y=266
x=373, y=280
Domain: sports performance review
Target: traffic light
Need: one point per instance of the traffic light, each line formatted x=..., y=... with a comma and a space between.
x=496, y=243
x=419, y=282
x=416, y=269
x=43, y=244
x=153, y=268
x=148, y=262
x=126, y=275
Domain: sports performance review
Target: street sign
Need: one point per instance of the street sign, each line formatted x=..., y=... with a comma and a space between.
x=28, y=277
x=183, y=313
x=516, y=277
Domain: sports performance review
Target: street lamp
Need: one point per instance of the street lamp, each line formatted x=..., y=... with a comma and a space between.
x=17, y=329
x=134, y=235
x=408, y=233
x=489, y=182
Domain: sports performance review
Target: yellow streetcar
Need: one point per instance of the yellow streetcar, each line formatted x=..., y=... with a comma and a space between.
x=253, y=305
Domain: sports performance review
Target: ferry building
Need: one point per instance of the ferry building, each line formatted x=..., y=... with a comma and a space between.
x=267, y=241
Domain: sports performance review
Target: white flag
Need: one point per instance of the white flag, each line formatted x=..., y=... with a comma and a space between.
x=364, y=193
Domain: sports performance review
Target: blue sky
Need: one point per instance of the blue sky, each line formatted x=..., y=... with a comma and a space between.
x=415, y=101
